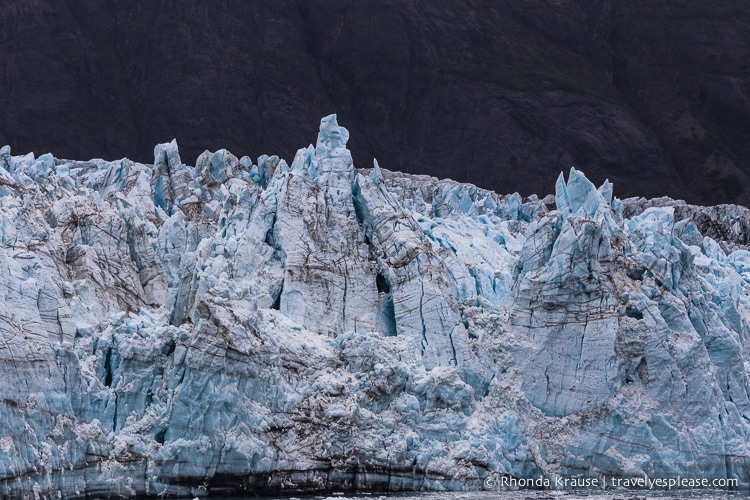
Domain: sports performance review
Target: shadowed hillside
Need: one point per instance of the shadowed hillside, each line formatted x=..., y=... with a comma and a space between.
x=653, y=95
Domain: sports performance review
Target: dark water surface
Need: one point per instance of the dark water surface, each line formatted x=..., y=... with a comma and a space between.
x=616, y=494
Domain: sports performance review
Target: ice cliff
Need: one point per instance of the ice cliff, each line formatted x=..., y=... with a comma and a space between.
x=233, y=326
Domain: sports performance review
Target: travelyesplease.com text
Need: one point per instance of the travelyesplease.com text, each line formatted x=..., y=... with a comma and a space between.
x=505, y=482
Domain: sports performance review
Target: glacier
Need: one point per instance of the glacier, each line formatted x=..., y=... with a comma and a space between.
x=240, y=326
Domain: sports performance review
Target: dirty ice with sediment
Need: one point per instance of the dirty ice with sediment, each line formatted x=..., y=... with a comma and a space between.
x=255, y=326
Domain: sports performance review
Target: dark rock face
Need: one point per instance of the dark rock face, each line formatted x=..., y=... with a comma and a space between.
x=653, y=95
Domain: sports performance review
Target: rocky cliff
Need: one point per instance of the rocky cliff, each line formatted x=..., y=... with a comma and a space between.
x=653, y=95
x=254, y=326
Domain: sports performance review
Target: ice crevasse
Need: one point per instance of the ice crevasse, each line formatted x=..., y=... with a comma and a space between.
x=254, y=326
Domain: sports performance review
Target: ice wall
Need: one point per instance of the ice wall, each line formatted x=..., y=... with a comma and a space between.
x=255, y=326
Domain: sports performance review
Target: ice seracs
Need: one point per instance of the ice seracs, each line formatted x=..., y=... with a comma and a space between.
x=254, y=326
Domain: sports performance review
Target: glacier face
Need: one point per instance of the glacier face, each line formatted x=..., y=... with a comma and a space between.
x=240, y=326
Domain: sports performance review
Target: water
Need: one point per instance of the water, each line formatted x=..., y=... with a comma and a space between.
x=618, y=494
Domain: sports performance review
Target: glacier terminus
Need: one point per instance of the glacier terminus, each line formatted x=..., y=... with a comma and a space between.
x=240, y=326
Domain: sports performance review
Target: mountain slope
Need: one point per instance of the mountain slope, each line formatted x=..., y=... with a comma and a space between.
x=652, y=95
